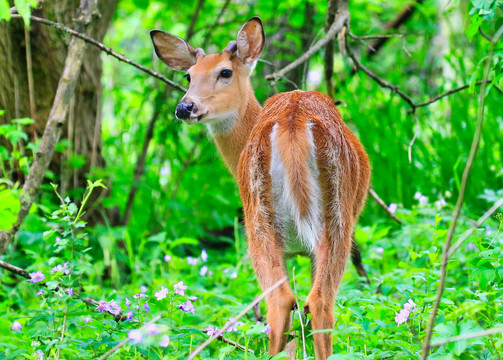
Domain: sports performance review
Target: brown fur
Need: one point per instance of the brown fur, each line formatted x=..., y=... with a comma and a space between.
x=343, y=166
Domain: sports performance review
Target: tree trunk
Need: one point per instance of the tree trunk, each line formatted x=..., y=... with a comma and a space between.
x=48, y=53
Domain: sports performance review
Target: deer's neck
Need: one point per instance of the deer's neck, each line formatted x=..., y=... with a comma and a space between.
x=232, y=137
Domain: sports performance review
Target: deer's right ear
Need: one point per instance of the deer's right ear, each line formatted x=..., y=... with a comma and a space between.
x=172, y=50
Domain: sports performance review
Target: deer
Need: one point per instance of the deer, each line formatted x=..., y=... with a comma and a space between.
x=303, y=176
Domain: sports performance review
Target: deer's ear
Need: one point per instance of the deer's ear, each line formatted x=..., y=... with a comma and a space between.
x=250, y=42
x=172, y=50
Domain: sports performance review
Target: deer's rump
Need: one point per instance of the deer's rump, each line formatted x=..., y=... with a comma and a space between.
x=302, y=168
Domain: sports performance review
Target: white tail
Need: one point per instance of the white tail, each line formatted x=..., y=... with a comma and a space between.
x=303, y=175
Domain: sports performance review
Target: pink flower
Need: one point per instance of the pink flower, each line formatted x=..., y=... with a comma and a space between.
x=191, y=260
x=87, y=320
x=203, y=270
x=37, y=276
x=267, y=329
x=146, y=306
x=204, y=255
x=129, y=315
x=164, y=341
x=187, y=307
x=128, y=303
x=410, y=306
x=161, y=294
x=69, y=291
x=232, y=324
x=401, y=317
x=379, y=250
x=40, y=355
x=16, y=326
x=113, y=307
x=211, y=330
x=392, y=208
x=40, y=292
x=135, y=336
x=180, y=288
x=102, y=306
x=152, y=329
x=167, y=258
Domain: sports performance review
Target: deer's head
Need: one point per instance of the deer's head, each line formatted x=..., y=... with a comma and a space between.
x=217, y=82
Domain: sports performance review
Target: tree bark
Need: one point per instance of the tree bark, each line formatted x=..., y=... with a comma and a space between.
x=48, y=53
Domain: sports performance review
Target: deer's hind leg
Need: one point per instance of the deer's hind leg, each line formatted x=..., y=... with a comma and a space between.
x=330, y=262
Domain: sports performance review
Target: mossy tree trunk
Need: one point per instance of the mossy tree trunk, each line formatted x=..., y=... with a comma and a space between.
x=48, y=53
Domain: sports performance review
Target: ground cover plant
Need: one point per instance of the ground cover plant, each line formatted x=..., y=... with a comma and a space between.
x=122, y=236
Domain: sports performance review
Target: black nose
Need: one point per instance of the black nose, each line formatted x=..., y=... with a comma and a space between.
x=183, y=110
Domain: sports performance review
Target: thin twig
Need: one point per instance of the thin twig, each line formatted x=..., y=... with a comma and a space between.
x=493, y=331
x=370, y=37
x=193, y=20
x=62, y=333
x=304, y=354
x=229, y=341
x=29, y=71
x=215, y=23
x=459, y=203
x=409, y=150
x=376, y=78
x=237, y=317
x=475, y=226
x=450, y=92
x=382, y=204
x=394, y=24
x=125, y=341
x=341, y=19
x=106, y=49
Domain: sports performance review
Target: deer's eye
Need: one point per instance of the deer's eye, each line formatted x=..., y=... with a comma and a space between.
x=187, y=76
x=226, y=73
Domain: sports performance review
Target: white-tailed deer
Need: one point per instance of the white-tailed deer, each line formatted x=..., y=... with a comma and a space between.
x=303, y=175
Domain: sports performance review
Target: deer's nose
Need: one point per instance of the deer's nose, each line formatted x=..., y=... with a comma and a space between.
x=183, y=110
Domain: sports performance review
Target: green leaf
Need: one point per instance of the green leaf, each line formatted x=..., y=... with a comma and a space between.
x=473, y=28
x=4, y=10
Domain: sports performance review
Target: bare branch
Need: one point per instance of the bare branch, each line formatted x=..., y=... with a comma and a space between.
x=459, y=203
x=493, y=331
x=475, y=226
x=23, y=273
x=237, y=317
x=447, y=93
x=400, y=19
x=193, y=20
x=341, y=18
x=382, y=204
x=215, y=23
x=379, y=80
x=106, y=49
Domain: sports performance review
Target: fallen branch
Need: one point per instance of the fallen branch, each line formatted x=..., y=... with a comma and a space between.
x=472, y=335
x=23, y=273
x=104, y=48
x=194, y=353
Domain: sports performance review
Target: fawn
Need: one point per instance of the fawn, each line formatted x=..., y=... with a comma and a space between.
x=303, y=175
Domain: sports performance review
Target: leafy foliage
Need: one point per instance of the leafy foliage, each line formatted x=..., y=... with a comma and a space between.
x=186, y=197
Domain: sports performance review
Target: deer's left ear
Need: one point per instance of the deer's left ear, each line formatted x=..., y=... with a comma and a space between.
x=250, y=42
